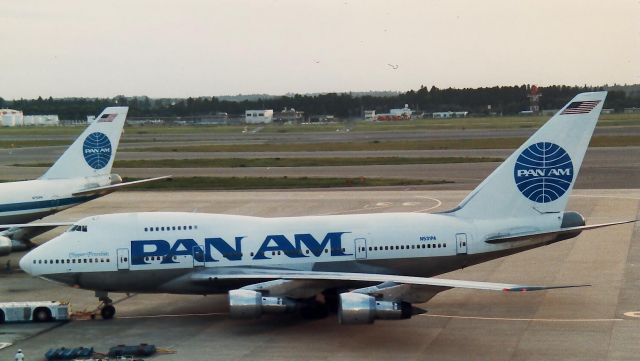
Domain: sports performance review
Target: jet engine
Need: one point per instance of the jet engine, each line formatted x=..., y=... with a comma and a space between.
x=357, y=308
x=8, y=245
x=252, y=304
x=5, y=246
x=115, y=178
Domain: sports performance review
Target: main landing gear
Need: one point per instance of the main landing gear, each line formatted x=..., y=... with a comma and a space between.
x=107, y=310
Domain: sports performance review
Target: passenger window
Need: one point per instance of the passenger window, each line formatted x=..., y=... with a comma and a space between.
x=179, y=228
x=157, y=229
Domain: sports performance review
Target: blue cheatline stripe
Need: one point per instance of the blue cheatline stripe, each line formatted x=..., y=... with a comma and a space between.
x=25, y=206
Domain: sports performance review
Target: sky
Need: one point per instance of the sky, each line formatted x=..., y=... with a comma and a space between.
x=86, y=48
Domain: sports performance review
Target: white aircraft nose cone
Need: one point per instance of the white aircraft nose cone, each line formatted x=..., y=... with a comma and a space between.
x=25, y=263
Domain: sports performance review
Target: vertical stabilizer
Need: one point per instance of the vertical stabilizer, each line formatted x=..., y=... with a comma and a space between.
x=539, y=176
x=93, y=152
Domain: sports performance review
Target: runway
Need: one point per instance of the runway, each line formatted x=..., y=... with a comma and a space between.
x=589, y=323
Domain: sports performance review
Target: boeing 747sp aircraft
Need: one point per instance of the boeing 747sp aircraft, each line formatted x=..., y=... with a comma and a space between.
x=81, y=174
x=367, y=266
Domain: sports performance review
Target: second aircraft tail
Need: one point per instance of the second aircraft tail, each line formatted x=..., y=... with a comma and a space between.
x=93, y=152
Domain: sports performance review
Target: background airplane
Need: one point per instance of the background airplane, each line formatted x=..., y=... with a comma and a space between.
x=367, y=266
x=81, y=174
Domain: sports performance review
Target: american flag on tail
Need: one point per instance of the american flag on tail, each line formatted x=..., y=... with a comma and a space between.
x=580, y=107
x=107, y=118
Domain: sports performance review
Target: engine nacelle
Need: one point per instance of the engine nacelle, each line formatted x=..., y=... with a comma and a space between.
x=569, y=220
x=251, y=304
x=115, y=178
x=5, y=246
x=357, y=308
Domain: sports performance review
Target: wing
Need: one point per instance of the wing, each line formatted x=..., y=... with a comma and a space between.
x=24, y=232
x=114, y=187
x=345, y=278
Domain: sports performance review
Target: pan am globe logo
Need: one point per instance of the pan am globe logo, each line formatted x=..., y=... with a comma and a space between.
x=97, y=150
x=543, y=172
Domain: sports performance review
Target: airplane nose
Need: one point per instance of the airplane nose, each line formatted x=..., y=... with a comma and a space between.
x=25, y=263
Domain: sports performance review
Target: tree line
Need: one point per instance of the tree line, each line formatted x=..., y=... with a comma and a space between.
x=478, y=101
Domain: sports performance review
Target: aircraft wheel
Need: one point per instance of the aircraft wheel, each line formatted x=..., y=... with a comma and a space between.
x=107, y=312
x=314, y=311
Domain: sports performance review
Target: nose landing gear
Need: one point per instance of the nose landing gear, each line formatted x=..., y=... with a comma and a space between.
x=107, y=310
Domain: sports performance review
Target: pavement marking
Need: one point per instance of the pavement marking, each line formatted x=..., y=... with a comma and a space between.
x=5, y=345
x=634, y=314
x=379, y=205
x=527, y=319
x=438, y=204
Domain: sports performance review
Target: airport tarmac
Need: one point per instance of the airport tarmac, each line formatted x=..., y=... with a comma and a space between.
x=589, y=323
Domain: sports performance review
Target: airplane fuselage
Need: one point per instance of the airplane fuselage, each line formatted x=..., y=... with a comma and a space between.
x=155, y=252
x=26, y=201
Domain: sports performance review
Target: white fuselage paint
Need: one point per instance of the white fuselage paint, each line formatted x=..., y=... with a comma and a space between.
x=392, y=237
x=30, y=200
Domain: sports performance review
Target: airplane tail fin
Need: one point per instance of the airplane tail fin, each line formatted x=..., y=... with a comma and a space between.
x=93, y=152
x=538, y=177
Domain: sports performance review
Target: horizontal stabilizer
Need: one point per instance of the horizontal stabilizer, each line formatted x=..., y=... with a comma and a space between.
x=551, y=234
x=115, y=187
x=367, y=277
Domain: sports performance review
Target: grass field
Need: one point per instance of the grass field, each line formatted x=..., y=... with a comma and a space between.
x=284, y=162
x=431, y=144
x=507, y=122
x=237, y=183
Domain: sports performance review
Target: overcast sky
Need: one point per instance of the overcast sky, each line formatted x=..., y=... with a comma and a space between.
x=202, y=48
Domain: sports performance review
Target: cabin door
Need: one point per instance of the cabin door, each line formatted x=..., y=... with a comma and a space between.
x=123, y=258
x=461, y=243
x=361, y=248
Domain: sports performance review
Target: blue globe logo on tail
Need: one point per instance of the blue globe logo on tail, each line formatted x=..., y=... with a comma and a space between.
x=543, y=172
x=97, y=150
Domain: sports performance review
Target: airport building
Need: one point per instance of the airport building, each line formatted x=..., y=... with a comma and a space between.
x=44, y=120
x=15, y=118
x=395, y=114
x=449, y=114
x=264, y=116
x=10, y=117
x=288, y=116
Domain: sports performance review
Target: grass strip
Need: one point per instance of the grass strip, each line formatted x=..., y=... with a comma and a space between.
x=239, y=183
x=431, y=144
